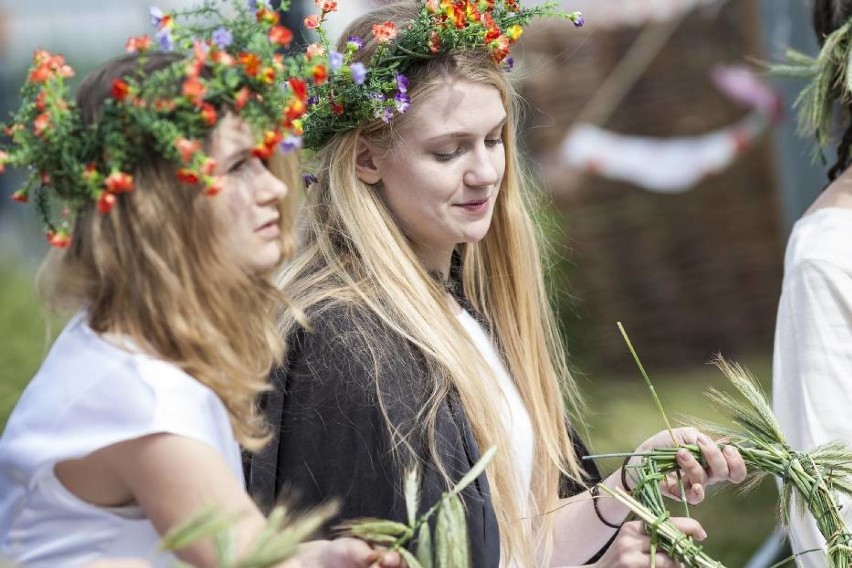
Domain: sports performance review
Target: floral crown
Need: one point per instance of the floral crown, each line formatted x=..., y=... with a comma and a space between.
x=228, y=62
x=355, y=92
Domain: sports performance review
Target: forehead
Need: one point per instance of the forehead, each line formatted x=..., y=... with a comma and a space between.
x=456, y=107
x=231, y=131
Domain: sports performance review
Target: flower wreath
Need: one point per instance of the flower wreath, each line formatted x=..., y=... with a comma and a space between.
x=229, y=62
x=354, y=93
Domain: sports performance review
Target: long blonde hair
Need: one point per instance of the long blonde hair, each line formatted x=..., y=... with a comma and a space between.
x=351, y=250
x=152, y=270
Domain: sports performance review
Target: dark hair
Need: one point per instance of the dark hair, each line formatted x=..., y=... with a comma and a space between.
x=828, y=16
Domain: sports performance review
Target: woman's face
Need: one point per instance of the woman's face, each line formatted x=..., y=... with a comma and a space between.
x=442, y=181
x=246, y=209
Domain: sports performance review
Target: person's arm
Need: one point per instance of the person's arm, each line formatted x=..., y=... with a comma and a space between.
x=579, y=533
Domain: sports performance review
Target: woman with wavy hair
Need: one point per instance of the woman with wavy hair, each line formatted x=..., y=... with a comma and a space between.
x=132, y=424
x=431, y=337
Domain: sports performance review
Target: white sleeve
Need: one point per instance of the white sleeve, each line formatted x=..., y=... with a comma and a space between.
x=812, y=371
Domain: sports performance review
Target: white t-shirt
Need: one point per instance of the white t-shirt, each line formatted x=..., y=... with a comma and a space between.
x=89, y=394
x=513, y=413
x=812, y=361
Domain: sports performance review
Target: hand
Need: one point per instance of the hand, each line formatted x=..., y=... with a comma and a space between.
x=724, y=464
x=631, y=548
x=345, y=553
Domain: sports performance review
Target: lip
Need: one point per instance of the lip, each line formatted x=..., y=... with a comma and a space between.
x=475, y=205
x=269, y=229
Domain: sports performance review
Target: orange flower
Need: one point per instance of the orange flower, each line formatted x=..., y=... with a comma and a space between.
x=327, y=5
x=4, y=157
x=20, y=196
x=187, y=148
x=294, y=109
x=241, y=98
x=267, y=16
x=314, y=50
x=268, y=75
x=312, y=22
x=280, y=35
x=320, y=74
x=384, y=32
x=194, y=89
x=119, y=182
x=208, y=114
x=299, y=88
x=251, y=63
x=208, y=167
x=214, y=186
x=41, y=123
x=138, y=44
x=434, y=42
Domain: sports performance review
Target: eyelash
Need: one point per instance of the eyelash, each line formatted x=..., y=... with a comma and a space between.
x=489, y=142
x=241, y=164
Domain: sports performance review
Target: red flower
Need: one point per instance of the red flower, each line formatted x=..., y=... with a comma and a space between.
x=106, y=202
x=187, y=176
x=187, y=148
x=4, y=157
x=119, y=182
x=120, y=89
x=336, y=108
x=138, y=44
x=41, y=123
x=44, y=178
x=299, y=88
x=214, y=186
x=60, y=239
x=320, y=74
x=327, y=5
x=434, y=42
x=384, y=32
x=39, y=102
x=280, y=35
x=312, y=22
x=21, y=196
x=208, y=114
x=294, y=109
x=268, y=75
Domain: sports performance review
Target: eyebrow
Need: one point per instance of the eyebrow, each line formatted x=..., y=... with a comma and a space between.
x=465, y=134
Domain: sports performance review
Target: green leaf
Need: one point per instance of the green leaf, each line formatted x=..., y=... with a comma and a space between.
x=451, y=541
x=425, y=552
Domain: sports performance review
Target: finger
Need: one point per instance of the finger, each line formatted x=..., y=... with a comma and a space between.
x=693, y=472
x=717, y=465
x=390, y=560
x=663, y=560
x=737, y=470
x=689, y=527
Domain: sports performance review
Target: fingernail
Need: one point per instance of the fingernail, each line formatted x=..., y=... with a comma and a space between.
x=682, y=454
x=703, y=440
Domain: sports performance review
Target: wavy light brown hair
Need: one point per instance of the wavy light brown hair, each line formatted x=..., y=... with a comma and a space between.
x=153, y=270
x=353, y=251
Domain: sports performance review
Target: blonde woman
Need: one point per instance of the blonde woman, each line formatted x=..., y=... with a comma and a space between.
x=430, y=333
x=173, y=222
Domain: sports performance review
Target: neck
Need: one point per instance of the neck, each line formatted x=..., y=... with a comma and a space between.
x=435, y=260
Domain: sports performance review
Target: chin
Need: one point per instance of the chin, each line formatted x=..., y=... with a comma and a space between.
x=267, y=258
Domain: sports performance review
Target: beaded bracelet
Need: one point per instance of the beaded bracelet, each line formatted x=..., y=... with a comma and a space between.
x=624, y=474
x=595, y=493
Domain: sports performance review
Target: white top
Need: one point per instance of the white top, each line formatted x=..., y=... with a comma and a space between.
x=513, y=413
x=812, y=363
x=89, y=394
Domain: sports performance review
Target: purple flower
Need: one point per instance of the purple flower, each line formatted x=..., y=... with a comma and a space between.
x=156, y=16
x=387, y=114
x=401, y=82
x=354, y=43
x=376, y=96
x=222, y=37
x=290, y=143
x=309, y=179
x=164, y=39
x=312, y=100
x=402, y=102
x=335, y=60
x=577, y=19
x=359, y=73
x=508, y=64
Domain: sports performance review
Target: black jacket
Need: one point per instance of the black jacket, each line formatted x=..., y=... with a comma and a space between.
x=332, y=441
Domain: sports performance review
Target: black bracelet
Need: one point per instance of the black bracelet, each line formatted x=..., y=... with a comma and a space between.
x=595, y=493
x=624, y=475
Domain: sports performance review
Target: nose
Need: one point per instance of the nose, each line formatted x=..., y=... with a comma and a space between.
x=270, y=188
x=486, y=167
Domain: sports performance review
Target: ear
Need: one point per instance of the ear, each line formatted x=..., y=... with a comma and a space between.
x=365, y=162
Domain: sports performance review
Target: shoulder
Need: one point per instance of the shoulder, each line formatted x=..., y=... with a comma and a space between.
x=820, y=241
